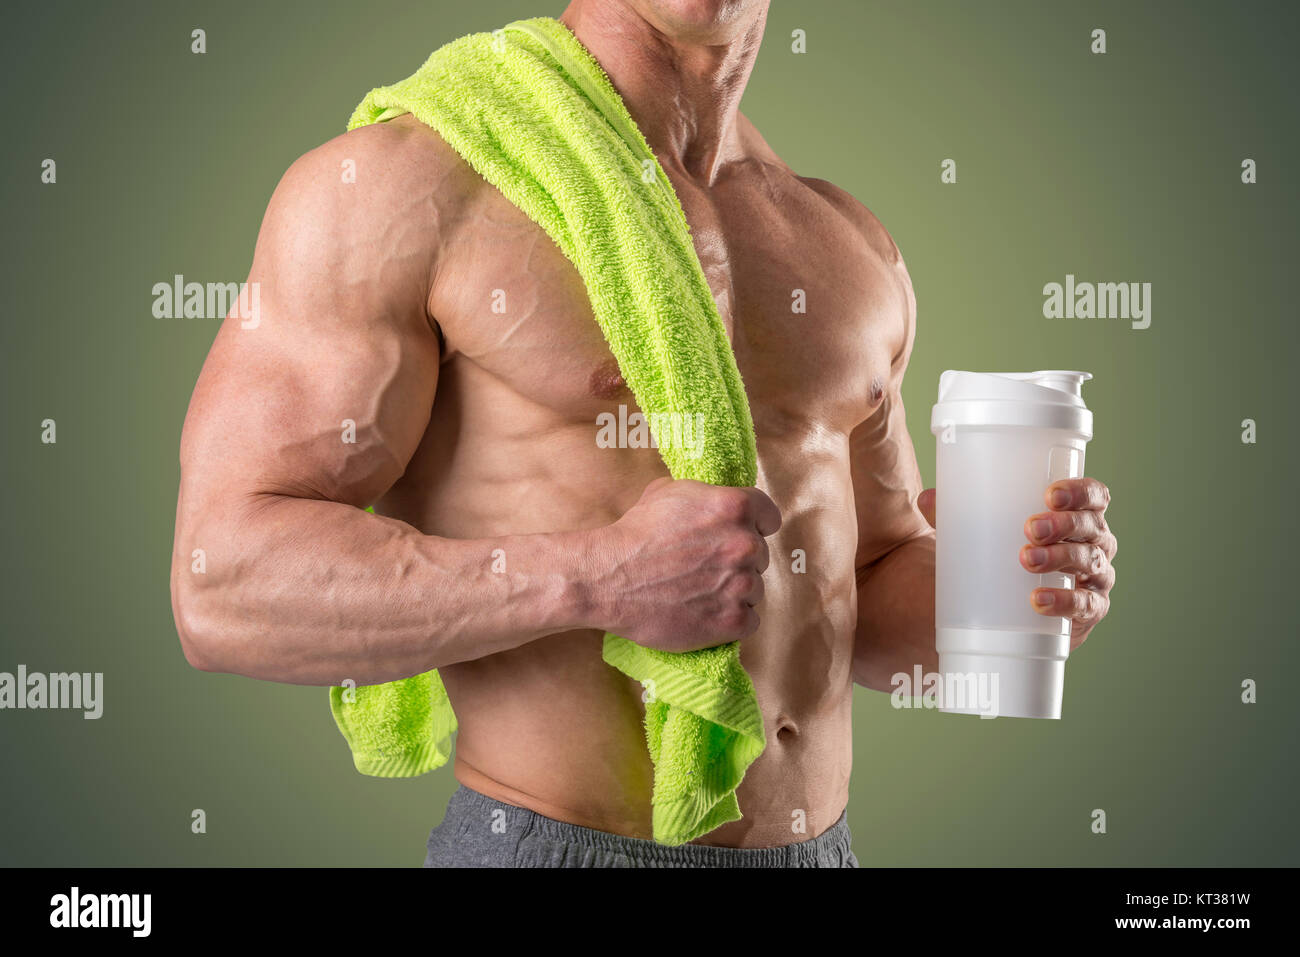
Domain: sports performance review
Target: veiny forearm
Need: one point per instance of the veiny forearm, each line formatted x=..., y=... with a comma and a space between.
x=316, y=592
x=895, y=629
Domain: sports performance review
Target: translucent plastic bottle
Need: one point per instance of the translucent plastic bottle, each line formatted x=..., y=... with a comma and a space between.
x=1001, y=440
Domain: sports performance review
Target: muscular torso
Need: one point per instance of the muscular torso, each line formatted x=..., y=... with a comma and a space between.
x=511, y=448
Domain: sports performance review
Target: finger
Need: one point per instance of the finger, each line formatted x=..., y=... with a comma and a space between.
x=1046, y=528
x=1103, y=581
x=1080, y=493
x=756, y=590
x=1080, y=560
x=1077, y=604
x=767, y=517
x=743, y=622
x=925, y=502
x=1072, y=558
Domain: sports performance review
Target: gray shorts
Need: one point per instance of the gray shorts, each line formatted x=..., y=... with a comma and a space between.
x=480, y=832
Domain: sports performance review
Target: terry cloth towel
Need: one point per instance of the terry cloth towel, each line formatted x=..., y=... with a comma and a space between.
x=531, y=110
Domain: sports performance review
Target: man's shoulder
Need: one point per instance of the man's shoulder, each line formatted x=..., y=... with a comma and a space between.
x=875, y=242
x=373, y=173
x=862, y=219
x=876, y=238
x=404, y=146
x=365, y=214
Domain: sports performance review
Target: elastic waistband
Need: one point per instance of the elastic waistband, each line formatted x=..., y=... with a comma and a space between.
x=830, y=844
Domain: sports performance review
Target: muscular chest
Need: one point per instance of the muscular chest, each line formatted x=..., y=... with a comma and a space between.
x=813, y=316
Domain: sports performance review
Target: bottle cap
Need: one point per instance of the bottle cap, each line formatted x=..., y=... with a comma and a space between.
x=1048, y=399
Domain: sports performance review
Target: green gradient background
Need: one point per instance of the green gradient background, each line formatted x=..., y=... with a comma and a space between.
x=1123, y=167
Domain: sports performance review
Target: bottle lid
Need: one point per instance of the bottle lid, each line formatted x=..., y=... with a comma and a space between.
x=1048, y=399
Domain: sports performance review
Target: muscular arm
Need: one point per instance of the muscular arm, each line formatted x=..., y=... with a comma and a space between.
x=300, y=583
x=304, y=417
x=895, y=555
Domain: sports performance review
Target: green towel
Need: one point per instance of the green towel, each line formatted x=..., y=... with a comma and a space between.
x=531, y=110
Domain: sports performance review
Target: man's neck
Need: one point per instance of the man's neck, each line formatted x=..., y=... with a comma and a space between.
x=683, y=91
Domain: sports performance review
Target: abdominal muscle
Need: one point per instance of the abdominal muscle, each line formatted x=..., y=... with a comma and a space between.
x=550, y=727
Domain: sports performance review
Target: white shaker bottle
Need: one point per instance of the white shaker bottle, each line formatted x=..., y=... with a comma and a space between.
x=1002, y=439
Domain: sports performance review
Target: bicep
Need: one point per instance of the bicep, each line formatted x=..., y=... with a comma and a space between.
x=326, y=392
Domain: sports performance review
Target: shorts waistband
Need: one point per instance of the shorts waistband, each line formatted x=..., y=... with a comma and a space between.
x=833, y=843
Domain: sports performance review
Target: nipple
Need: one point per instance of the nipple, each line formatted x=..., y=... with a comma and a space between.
x=606, y=381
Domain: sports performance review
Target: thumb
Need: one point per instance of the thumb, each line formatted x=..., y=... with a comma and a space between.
x=925, y=502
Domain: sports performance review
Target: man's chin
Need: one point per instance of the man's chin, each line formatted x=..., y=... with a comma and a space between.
x=709, y=22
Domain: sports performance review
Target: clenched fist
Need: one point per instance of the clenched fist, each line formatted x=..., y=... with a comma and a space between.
x=686, y=564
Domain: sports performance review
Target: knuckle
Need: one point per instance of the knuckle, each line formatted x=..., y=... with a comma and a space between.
x=1091, y=603
x=732, y=505
x=734, y=619
x=739, y=549
x=1101, y=605
x=736, y=585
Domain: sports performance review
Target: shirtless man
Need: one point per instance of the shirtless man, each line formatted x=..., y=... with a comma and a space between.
x=476, y=431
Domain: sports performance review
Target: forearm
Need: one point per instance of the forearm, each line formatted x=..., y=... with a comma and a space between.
x=895, y=628
x=316, y=592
